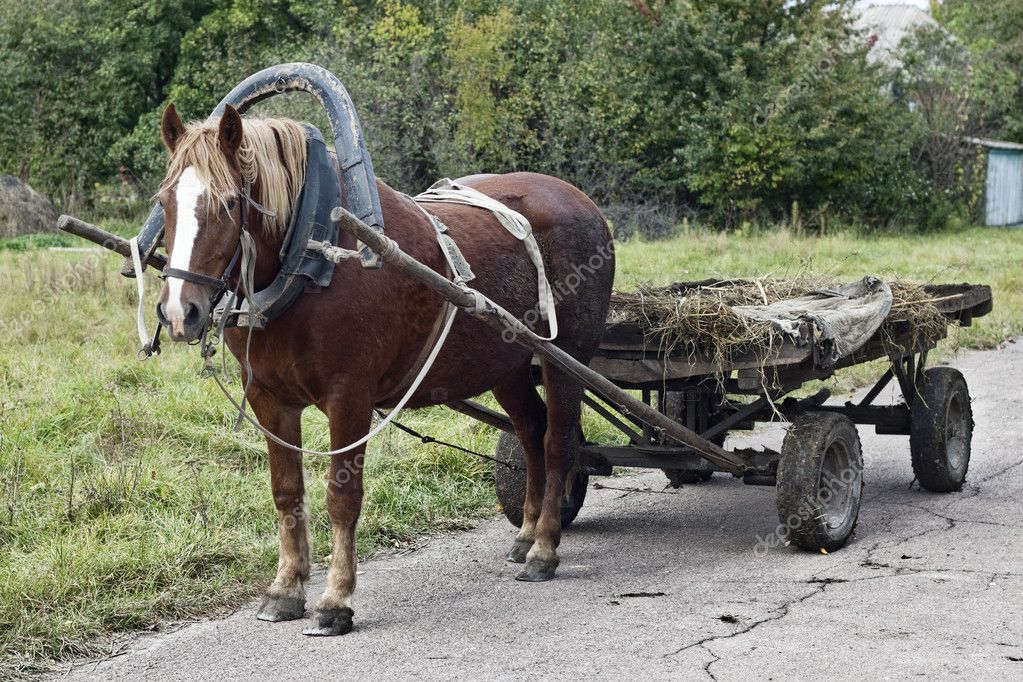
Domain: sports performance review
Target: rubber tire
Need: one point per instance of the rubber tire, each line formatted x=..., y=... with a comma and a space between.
x=940, y=390
x=510, y=484
x=803, y=454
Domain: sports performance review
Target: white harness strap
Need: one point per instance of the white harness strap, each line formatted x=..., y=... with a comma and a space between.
x=136, y=261
x=447, y=192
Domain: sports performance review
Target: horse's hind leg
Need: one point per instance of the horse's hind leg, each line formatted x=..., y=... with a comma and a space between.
x=285, y=598
x=564, y=398
x=517, y=395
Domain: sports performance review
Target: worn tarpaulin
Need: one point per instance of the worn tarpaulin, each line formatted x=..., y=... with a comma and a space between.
x=839, y=320
x=447, y=191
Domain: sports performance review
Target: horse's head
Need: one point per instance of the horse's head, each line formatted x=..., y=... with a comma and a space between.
x=217, y=171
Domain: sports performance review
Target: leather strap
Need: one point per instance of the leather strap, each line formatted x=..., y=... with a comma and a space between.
x=194, y=277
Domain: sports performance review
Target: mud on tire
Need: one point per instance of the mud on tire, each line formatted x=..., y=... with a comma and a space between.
x=820, y=480
x=941, y=430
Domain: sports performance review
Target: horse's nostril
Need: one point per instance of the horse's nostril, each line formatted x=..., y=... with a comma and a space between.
x=161, y=315
x=191, y=314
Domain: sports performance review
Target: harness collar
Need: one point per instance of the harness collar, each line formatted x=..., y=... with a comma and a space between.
x=356, y=167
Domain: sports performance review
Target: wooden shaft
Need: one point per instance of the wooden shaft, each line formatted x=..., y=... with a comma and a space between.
x=484, y=414
x=98, y=235
x=464, y=298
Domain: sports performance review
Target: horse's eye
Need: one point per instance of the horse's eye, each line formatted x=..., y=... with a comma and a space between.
x=231, y=203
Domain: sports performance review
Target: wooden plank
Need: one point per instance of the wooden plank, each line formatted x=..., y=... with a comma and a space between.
x=641, y=368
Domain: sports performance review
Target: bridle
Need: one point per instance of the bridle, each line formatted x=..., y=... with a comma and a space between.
x=219, y=284
x=244, y=252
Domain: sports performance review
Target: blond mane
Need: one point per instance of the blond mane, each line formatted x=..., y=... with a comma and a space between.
x=273, y=150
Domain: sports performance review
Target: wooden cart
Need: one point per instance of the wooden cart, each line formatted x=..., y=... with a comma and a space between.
x=818, y=472
x=684, y=410
x=685, y=413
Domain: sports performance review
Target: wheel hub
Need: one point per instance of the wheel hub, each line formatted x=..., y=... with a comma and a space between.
x=836, y=493
x=956, y=433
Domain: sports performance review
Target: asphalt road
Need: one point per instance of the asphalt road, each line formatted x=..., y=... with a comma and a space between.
x=659, y=584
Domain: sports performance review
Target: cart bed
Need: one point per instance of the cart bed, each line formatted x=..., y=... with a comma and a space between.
x=631, y=358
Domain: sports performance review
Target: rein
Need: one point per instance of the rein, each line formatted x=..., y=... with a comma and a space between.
x=246, y=248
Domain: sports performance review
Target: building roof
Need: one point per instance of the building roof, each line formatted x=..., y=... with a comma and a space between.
x=996, y=144
x=890, y=24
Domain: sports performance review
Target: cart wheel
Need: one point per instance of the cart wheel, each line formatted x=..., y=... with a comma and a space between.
x=511, y=483
x=941, y=428
x=820, y=480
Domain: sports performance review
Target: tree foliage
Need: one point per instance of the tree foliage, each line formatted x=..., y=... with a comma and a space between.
x=735, y=109
x=75, y=76
x=992, y=31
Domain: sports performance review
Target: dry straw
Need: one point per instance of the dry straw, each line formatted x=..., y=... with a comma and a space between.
x=698, y=319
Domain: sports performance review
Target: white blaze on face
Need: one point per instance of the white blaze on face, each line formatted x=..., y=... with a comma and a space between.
x=190, y=189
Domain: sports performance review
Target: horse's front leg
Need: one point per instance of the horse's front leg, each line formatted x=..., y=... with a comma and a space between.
x=349, y=421
x=285, y=598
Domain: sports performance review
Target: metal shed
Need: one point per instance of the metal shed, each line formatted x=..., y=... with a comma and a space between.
x=1003, y=187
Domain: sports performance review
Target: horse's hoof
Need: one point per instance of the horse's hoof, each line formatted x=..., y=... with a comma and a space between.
x=537, y=570
x=331, y=623
x=517, y=554
x=278, y=609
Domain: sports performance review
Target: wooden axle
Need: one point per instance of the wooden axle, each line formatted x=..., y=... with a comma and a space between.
x=495, y=316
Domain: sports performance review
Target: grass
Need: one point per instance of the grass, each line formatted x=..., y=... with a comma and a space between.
x=127, y=500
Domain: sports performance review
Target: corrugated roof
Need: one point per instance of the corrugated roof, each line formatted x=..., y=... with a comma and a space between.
x=891, y=24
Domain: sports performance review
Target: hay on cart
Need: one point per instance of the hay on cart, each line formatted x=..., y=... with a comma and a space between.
x=699, y=319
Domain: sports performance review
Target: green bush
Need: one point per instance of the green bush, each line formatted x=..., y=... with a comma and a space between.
x=731, y=109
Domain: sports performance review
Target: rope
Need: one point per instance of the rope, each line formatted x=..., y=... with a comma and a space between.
x=430, y=439
x=242, y=413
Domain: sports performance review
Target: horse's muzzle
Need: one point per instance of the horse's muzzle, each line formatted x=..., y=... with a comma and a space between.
x=186, y=324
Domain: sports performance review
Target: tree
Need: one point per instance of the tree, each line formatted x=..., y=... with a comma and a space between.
x=75, y=75
x=993, y=32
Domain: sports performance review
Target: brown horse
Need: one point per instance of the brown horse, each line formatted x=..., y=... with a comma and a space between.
x=349, y=347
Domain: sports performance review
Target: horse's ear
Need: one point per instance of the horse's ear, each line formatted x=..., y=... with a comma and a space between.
x=171, y=127
x=230, y=132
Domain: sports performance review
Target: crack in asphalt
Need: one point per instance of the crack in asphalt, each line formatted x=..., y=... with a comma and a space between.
x=973, y=488
x=712, y=661
x=785, y=609
x=896, y=571
x=955, y=521
x=998, y=473
x=778, y=613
